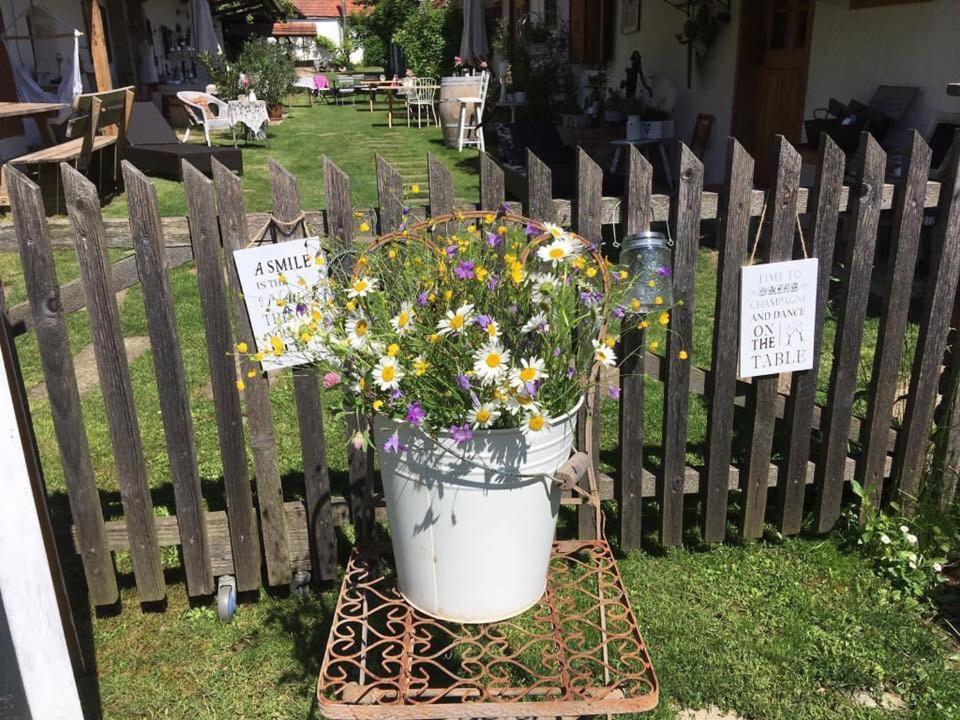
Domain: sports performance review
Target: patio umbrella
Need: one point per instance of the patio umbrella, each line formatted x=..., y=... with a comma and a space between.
x=473, y=43
x=205, y=37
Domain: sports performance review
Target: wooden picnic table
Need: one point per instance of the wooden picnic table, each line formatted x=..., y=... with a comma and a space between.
x=41, y=112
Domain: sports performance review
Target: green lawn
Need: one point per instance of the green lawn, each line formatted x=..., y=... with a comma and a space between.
x=775, y=629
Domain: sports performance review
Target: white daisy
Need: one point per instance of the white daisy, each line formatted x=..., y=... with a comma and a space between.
x=535, y=421
x=537, y=323
x=555, y=231
x=521, y=403
x=403, y=319
x=558, y=251
x=604, y=355
x=491, y=362
x=530, y=370
x=493, y=329
x=544, y=285
x=361, y=287
x=455, y=322
x=358, y=329
x=483, y=415
x=387, y=374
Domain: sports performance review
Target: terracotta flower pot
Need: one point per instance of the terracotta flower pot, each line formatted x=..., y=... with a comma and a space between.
x=275, y=112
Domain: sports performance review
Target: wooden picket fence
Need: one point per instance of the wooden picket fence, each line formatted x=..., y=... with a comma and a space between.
x=283, y=537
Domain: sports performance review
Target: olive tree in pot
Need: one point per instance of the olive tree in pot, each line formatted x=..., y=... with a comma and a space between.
x=271, y=71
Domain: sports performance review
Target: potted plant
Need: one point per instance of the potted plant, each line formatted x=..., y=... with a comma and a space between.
x=613, y=109
x=656, y=123
x=596, y=93
x=271, y=70
x=470, y=341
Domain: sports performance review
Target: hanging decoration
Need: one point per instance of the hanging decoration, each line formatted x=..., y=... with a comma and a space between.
x=705, y=20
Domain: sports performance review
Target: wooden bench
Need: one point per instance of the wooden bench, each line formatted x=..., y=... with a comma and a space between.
x=100, y=121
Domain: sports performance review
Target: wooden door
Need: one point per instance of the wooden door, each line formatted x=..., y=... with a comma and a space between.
x=772, y=75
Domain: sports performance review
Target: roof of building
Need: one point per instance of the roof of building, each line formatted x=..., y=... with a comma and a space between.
x=295, y=29
x=325, y=8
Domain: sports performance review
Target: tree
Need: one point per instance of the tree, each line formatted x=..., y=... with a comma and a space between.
x=376, y=22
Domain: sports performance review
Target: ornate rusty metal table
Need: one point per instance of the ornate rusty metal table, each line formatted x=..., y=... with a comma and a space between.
x=578, y=652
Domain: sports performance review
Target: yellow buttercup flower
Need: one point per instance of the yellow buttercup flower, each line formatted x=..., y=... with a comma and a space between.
x=481, y=273
x=377, y=404
x=651, y=283
x=393, y=349
x=682, y=355
x=433, y=338
x=415, y=189
x=591, y=272
x=447, y=295
x=320, y=260
x=471, y=228
x=364, y=227
x=643, y=325
x=658, y=300
x=634, y=304
x=241, y=347
x=392, y=254
x=509, y=258
x=610, y=341
x=623, y=274
x=351, y=306
x=316, y=316
x=664, y=318
x=259, y=357
x=488, y=218
x=362, y=260
x=281, y=302
x=305, y=337
x=516, y=274
x=251, y=373
x=502, y=230
x=277, y=345
x=240, y=385
x=579, y=262
x=654, y=345
x=420, y=366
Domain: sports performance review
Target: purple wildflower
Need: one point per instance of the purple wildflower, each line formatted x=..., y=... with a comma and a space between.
x=592, y=246
x=396, y=394
x=514, y=309
x=619, y=312
x=461, y=434
x=492, y=282
x=463, y=381
x=464, y=270
x=588, y=297
x=556, y=350
x=664, y=271
x=423, y=298
x=451, y=250
x=529, y=230
x=415, y=413
x=504, y=209
x=392, y=445
x=493, y=239
x=531, y=388
x=301, y=308
x=483, y=321
x=614, y=392
x=570, y=372
x=406, y=211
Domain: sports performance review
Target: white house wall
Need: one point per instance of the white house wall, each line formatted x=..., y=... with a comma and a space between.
x=917, y=44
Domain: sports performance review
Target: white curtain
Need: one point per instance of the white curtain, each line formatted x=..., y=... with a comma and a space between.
x=206, y=37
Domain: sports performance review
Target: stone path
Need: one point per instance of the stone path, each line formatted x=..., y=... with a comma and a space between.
x=85, y=366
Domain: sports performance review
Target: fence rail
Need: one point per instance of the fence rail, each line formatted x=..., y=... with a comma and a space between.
x=263, y=530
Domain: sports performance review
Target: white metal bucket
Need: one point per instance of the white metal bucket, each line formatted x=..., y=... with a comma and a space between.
x=473, y=545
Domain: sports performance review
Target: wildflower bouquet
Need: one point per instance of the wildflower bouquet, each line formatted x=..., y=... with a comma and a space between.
x=476, y=321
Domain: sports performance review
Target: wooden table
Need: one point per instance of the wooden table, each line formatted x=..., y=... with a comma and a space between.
x=644, y=145
x=389, y=87
x=40, y=112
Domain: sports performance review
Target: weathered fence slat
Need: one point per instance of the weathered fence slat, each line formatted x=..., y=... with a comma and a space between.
x=390, y=194
x=685, y=220
x=539, y=190
x=172, y=390
x=43, y=293
x=861, y=240
x=587, y=224
x=441, y=186
x=359, y=461
x=904, y=247
x=798, y=414
x=306, y=388
x=244, y=537
x=782, y=211
x=83, y=207
x=260, y=426
x=492, y=184
x=910, y=454
x=732, y=230
x=630, y=488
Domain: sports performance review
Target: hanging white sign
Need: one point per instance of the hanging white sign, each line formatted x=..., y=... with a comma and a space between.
x=269, y=273
x=778, y=304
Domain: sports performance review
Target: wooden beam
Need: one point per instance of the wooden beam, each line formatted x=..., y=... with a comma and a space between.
x=98, y=45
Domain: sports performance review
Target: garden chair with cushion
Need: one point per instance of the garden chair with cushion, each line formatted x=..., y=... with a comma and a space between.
x=206, y=111
x=422, y=98
x=343, y=88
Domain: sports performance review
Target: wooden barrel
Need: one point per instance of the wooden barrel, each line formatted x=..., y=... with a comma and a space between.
x=451, y=90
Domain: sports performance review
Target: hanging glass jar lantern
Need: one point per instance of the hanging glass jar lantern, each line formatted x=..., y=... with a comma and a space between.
x=646, y=256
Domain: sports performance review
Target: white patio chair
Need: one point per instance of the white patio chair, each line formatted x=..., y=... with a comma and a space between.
x=423, y=96
x=343, y=87
x=471, y=123
x=207, y=111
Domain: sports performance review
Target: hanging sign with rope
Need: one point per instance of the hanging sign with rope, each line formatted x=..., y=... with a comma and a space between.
x=267, y=274
x=778, y=303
